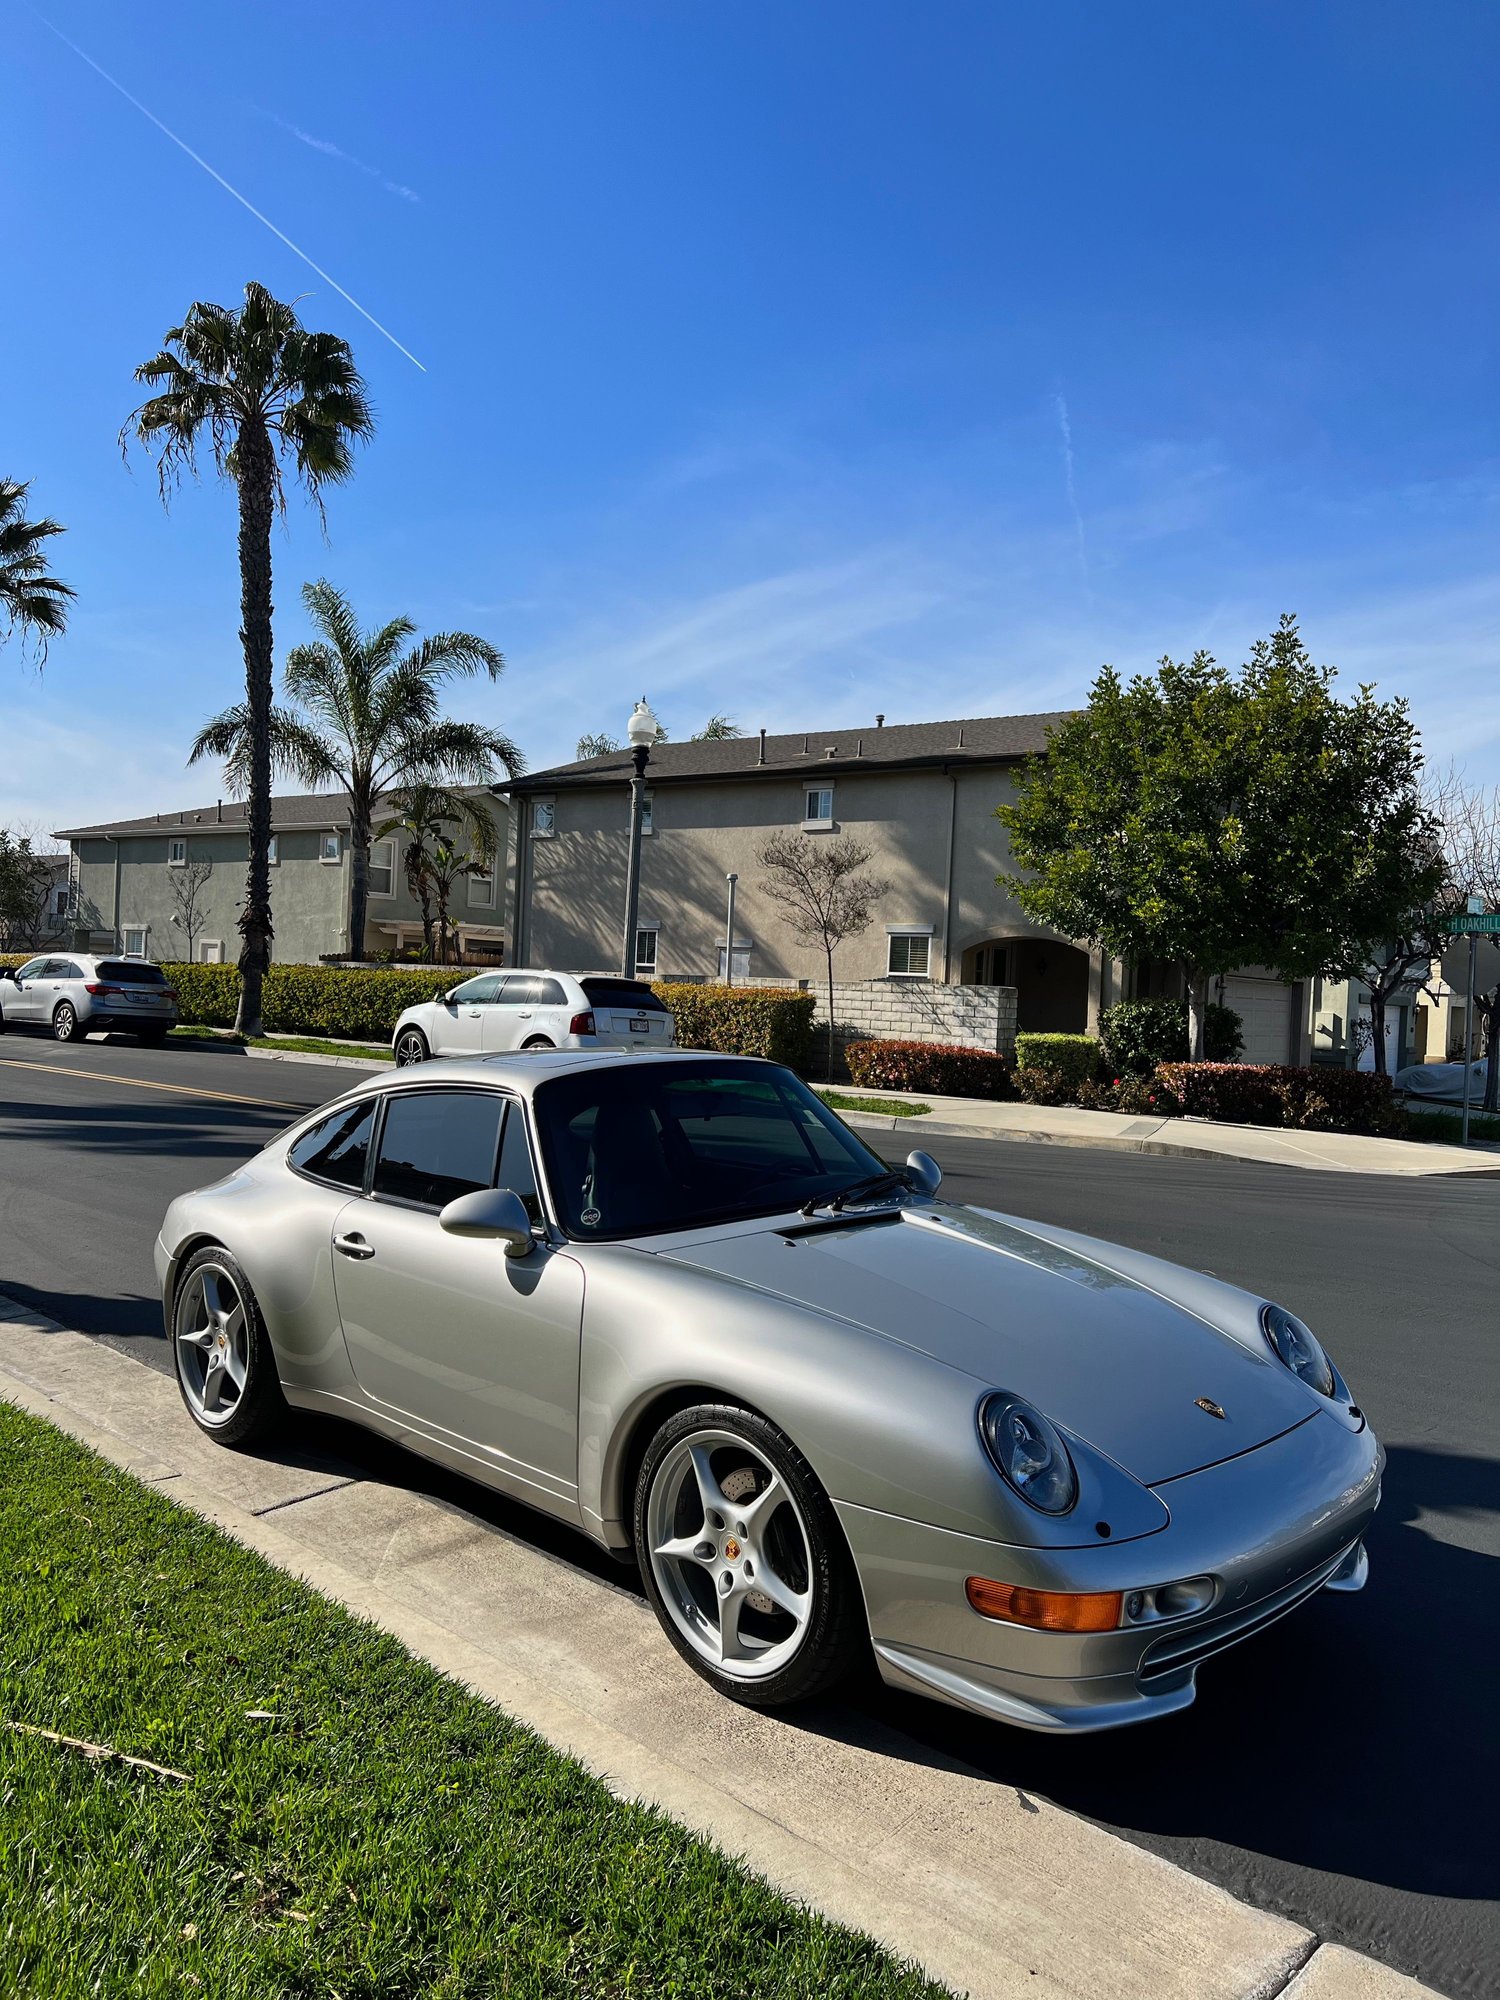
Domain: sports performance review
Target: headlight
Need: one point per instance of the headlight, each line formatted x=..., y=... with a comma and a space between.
x=1029, y=1453
x=1299, y=1347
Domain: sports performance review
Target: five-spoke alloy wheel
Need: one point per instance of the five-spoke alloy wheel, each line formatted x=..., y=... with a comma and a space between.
x=411, y=1047
x=223, y=1360
x=743, y=1557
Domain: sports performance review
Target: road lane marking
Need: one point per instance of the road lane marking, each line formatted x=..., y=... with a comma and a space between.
x=146, y=1083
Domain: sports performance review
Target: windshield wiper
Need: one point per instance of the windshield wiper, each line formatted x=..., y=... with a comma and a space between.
x=892, y=1177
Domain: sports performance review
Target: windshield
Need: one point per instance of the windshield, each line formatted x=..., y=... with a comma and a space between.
x=636, y=1149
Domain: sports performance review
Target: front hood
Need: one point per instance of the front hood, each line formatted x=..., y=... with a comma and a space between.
x=1104, y=1355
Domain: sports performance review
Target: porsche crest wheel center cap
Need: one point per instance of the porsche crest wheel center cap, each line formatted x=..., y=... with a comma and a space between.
x=731, y=1550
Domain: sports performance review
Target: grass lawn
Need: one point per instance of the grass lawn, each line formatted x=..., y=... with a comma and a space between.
x=308, y=1045
x=893, y=1107
x=351, y=1824
x=1446, y=1128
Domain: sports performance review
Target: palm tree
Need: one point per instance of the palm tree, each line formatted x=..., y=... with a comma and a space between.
x=444, y=834
x=257, y=388
x=29, y=597
x=366, y=718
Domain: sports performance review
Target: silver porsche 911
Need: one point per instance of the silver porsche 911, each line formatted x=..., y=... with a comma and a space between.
x=673, y=1300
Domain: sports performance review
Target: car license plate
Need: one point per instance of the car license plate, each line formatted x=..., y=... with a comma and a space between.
x=640, y=1027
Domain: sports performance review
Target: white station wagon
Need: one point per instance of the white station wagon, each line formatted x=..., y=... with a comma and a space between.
x=534, y=1010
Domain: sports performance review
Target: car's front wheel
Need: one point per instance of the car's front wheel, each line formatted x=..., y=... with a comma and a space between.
x=221, y=1352
x=743, y=1558
x=411, y=1047
x=65, y=1022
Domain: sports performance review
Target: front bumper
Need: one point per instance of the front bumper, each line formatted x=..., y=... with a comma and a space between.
x=1270, y=1528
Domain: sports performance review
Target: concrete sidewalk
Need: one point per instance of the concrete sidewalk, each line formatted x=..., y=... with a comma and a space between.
x=1190, y=1138
x=995, y=1892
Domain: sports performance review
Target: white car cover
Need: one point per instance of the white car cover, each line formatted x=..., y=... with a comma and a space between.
x=1442, y=1082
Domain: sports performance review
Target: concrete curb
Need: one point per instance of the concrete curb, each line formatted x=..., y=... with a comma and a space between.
x=996, y=1893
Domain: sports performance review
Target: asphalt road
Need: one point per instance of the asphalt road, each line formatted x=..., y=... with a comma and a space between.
x=1341, y=1768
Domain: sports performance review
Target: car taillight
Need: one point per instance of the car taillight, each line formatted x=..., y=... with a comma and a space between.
x=169, y=993
x=581, y=1024
x=91, y=986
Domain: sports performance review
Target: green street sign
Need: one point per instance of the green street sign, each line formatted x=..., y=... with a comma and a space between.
x=1470, y=925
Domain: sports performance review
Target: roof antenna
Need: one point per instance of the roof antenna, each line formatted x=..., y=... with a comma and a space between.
x=762, y=757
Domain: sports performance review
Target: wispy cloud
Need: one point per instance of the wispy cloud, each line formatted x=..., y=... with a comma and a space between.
x=1065, y=430
x=333, y=152
x=214, y=174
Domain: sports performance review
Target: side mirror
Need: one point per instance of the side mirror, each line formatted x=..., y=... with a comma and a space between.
x=450, y=998
x=926, y=1174
x=492, y=1212
x=9, y=972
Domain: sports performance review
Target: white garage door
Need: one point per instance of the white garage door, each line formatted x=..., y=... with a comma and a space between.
x=1265, y=1010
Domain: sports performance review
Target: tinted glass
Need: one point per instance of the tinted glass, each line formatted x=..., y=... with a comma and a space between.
x=633, y=1150
x=478, y=992
x=63, y=968
x=515, y=1170
x=32, y=969
x=134, y=973
x=623, y=993
x=438, y=1144
x=548, y=994
x=336, y=1148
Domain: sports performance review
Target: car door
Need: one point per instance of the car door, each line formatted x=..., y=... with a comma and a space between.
x=506, y=1018
x=459, y=1023
x=477, y=1349
x=21, y=1001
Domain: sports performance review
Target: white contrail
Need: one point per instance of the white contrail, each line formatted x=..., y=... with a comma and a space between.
x=1066, y=428
x=333, y=152
x=214, y=174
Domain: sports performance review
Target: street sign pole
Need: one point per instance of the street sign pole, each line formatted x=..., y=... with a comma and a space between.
x=1469, y=1034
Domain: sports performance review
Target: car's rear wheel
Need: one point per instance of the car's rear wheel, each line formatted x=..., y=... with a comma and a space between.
x=65, y=1022
x=411, y=1047
x=538, y=1042
x=743, y=1558
x=221, y=1353
x=152, y=1038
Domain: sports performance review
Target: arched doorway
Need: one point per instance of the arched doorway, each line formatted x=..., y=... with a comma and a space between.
x=1051, y=981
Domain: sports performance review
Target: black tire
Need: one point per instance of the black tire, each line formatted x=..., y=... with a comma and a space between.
x=65, y=1023
x=834, y=1637
x=411, y=1047
x=259, y=1407
x=538, y=1042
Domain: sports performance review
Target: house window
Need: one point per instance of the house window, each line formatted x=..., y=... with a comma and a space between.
x=177, y=854
x=544, y=818
x=330, y=847
x=273, y=853
x=136, y=936
x=909, y=954
x=383, y=868
x=482, y=888
x=819, y=804
x=210, y=951
x=645, y=953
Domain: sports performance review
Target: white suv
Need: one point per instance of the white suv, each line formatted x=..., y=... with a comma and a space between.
x=534, y=1010
x=72, y=994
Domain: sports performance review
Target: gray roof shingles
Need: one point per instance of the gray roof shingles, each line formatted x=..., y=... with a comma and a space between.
x=298, y=809
x=979, y=739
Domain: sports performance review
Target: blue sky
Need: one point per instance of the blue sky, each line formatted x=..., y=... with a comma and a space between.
x=799, y=360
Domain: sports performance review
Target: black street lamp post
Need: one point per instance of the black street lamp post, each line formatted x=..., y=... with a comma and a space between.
x=641, y=729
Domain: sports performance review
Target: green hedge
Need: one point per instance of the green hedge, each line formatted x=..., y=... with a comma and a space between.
x=349, y=1003
x=1072, y=1058
x=1138, y=1034
x=944, y=1068
x=742, y=1020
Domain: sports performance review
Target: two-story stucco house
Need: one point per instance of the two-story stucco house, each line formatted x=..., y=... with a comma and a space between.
x=127, y=884
x=950, y=954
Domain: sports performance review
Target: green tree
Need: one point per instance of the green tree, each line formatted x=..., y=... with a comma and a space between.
x=365, y=716
x=717, y=729
x=25, y=887
x=1215, y=820
x=32, y=600
x=443, y=834
x=255, y=388
x=823, y=895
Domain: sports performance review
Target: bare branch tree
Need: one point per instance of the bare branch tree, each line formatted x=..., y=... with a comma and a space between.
x=822, y=896
x=1470, y=819
x=189, y=887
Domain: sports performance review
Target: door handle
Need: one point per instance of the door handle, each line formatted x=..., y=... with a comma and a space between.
x=353, y=1245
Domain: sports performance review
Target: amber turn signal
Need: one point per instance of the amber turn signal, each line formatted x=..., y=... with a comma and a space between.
x=1045, y=1610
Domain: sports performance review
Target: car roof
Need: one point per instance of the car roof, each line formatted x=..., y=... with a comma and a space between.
x=523, y=1070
